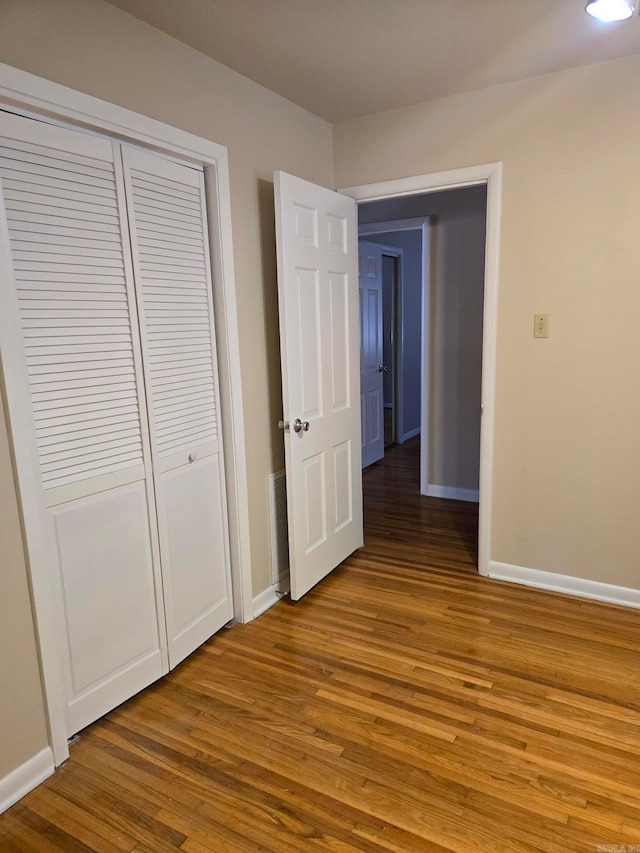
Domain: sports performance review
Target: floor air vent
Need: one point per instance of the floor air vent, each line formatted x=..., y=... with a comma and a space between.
x=279, y=530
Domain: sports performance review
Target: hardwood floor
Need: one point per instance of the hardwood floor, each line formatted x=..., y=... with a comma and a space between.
x=406, y=704
x=400, y=524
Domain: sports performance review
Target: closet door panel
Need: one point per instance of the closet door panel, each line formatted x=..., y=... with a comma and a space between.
x=70, y=272
x=74, y=300
x=192, y=539
x=106, y=571
x=171, y=263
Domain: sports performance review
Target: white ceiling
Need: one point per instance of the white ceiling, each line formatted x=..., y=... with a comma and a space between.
x=345, y=58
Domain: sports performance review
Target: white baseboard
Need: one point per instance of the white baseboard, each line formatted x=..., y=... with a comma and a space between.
x=565, y=583
x=407, y=435
x=25, y=778
x=268, y=597
x=452, y=493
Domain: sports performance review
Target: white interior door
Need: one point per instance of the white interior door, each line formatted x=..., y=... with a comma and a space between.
x=371, y=352
x=171, y=262
x=68, y=275
x=316, y=236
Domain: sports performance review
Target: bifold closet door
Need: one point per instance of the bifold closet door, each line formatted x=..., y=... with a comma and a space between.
x=173, y=281
x=67, y=268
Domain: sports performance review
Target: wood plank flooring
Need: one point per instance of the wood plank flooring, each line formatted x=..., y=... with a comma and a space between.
x=406, y=704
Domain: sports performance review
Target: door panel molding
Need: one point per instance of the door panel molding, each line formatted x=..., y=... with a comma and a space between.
x=316, y=239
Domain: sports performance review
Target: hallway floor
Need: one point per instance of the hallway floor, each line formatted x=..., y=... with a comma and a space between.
x=397, y=518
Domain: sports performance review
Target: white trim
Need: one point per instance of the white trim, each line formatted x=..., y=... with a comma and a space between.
x=466, y=176
x=225, y=310
x=391, y=225
x=491, y=175
x=25, y=778
x=411, y=434
x=266, y=599
x=565, y=583
x=27, y=94
x=425, y=352
x=45, y=587
x=270, y=596
x=453, y=493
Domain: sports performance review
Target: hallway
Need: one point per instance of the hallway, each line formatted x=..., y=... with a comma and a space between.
x=400, y=523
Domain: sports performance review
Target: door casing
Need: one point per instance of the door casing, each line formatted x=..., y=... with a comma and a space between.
x=489, y=174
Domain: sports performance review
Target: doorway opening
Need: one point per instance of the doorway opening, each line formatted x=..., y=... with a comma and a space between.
x=398, y=200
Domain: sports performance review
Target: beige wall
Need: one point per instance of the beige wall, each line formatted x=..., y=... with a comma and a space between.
x=95, y=48
x=23, y=730
x=567, y=454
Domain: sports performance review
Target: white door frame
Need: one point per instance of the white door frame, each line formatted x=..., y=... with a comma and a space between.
x=28, y=95
x=489, y=174
x=422, y=224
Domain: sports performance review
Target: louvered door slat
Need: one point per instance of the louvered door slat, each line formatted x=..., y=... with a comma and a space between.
x=29, y=219
x=58, y=339
x=81, y=429
x=167, y=233
x=69, y=474
x=54, y=179
x=71, y=378
x=112, y=458
x=165, y=205
x=94, y=439
x=162, y=188
x=185, y=392
x=173, y=377
x=69, y=274
x=26, y=250
x=79, y=438
x=61, y=387
x=199, y=435
x=72, y=295
x=158, y=249
x=169, y=237
x=99, y=242
x=56, y=152
x=43, y=165
x=51, y=258
x=58, y=200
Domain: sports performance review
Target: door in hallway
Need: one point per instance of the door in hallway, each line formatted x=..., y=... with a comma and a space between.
x=371, y=352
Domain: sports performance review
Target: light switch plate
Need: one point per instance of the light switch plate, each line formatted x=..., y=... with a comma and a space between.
x=540, y=325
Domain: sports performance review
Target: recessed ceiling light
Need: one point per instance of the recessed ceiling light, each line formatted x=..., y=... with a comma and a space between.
x=610, y=10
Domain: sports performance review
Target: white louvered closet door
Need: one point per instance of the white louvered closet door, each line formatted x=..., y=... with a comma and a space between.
x=170, y=250
x=71, y=281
